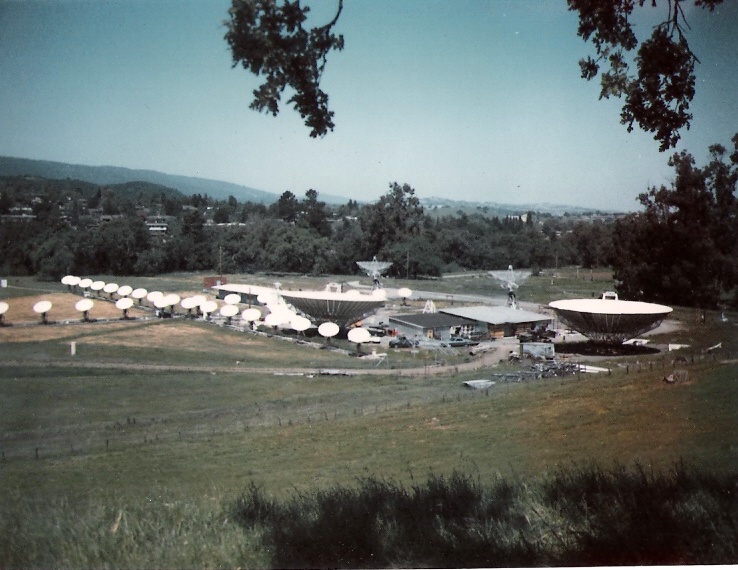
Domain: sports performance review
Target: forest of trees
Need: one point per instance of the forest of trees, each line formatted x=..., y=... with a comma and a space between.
x=77, y=227
x=681, y=249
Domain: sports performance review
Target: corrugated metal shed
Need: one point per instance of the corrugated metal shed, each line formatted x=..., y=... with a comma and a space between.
x=497, y=315
x=431, y=320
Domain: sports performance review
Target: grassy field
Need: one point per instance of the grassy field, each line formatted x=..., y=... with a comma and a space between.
x=154, y=423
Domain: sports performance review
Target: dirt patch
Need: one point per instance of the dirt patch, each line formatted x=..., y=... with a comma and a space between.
x=21, y=309
x=172, y=334
x=50, y=332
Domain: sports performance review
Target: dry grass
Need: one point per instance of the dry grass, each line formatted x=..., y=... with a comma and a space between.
x=172, y=334
x=44, y=333
x=21, y=309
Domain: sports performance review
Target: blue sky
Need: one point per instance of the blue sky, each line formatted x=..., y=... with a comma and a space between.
x=464, y=99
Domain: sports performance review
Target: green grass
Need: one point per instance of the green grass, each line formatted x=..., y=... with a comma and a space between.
x=585, y=516
x=173, y=449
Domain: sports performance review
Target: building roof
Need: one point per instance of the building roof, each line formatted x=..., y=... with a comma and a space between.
x=430, y=320
x=497, y=315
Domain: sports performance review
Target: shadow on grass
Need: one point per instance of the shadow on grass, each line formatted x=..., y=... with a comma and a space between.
x=576, y=516
x=590, y=348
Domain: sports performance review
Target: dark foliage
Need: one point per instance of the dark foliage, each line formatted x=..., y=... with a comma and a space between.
x=75, y=227
x=576, y=516
x=683, y=249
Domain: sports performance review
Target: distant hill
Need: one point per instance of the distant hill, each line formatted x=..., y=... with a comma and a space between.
x=109, y=175
x=496, y=209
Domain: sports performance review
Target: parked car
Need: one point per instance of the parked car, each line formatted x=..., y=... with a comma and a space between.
x=377, y=330
x=402, y=342
x=457, y=341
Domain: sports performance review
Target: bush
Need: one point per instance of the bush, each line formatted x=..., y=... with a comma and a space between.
x=576, y=516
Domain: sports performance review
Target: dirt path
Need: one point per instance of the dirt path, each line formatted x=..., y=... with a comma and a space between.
x=485, y=360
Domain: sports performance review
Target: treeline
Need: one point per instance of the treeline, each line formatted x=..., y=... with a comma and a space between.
x=77, y=227
x=682, y=249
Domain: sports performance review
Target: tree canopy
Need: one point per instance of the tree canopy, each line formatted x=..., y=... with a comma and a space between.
x=268, y=39
x=683, y=249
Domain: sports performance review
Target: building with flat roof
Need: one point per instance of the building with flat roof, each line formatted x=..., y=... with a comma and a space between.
x=500, y=321
x=439, y=326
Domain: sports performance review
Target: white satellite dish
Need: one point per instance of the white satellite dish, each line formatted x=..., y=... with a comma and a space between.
x=379, y=294
x=70, y=280
x=328, y=329
x=74, y=280
x=139, y=293
x=85, y=283
x=374, y=269
x=277, y=319
x=153, y=296
x=124, y=304
x=171, y=299
x=199, y=300
x=229, y=310
x=189, y=303
x=161, y=302
x=511, y=281
x=125, y=290
x=42, y=307
x=300, y=323
x=97, y=285
x=84, y=305
x=405, y=293
x=359, y=335
x=3, y=307
x=232, y=299
x=110, y=288
x=266, y=298
x=209, y=307
x=251, y=315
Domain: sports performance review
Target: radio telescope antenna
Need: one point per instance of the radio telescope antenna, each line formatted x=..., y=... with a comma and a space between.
x=251, y=316
x=359, y=336
x=84, y=306
x=207, y=308
x=3, y=309
x=405, y=293
x=70, y=281
x=232, y=299
x=124, y=304
x=375, y=269
x=328, y=330
x=110, y=289
x=229, y=311
x=511, y=281
x=125, y=290
x=139, y=294
x=41, y=308
x=189, y=303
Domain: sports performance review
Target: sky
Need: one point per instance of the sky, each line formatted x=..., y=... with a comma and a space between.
x=477, y=100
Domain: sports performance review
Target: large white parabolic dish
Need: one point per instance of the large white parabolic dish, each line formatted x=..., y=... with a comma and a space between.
x=610, y=320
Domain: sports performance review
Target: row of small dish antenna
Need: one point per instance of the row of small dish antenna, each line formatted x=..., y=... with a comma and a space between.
x=280, y=314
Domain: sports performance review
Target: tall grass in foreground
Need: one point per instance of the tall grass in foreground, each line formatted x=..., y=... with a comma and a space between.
x=158, y=531
x=573, y=517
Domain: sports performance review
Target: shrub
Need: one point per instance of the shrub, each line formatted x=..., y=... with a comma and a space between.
x=575, y=516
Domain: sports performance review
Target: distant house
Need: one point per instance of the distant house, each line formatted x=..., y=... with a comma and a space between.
x=20, y=213
x=157, y=227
